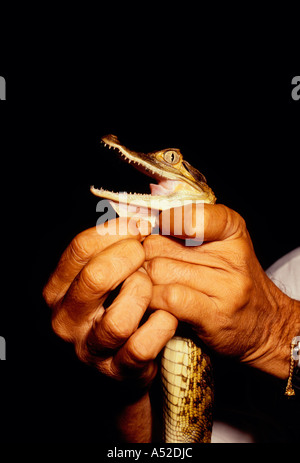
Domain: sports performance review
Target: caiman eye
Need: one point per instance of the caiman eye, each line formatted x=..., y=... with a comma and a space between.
x=171, y=157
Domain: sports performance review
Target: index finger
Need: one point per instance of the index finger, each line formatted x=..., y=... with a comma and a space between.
x=83, y=248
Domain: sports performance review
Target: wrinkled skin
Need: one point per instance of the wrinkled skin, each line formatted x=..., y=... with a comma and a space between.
x=219, y=288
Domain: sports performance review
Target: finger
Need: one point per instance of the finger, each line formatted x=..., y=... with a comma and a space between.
x=146, y=343
x=123, y=316
x=171, y=271
x=82, y=249
x=186, y=304
x=163, y=246
x=100, y=275
x=203, y=221
x=135, y=360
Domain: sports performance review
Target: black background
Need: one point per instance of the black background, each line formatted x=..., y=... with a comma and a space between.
x=228, y=107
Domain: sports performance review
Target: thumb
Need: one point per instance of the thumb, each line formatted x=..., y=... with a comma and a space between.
x=205, y=222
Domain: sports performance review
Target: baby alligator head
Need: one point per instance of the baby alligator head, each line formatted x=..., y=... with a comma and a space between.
x=177, y=180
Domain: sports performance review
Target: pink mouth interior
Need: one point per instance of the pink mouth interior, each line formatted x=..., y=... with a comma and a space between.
x=164, y=187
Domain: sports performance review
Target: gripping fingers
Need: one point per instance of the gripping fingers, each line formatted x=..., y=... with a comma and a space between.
x=101, y=274
x=171, y=271
x=114, y=326
x=142, y=348
x=84, y=247
x=186, y=304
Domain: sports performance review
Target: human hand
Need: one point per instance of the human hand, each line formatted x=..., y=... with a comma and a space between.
x=221, y=289
x=110, y=339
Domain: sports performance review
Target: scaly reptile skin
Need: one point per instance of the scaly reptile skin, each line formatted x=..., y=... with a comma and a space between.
x=185, y=368
x=188, y=392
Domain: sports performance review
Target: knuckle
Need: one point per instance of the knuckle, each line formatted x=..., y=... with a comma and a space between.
x=232, y=220
x=106, y=367
x=80, y=352
x=48, y=296
x=52, y=293
x=154, y=267
x=138, y=278
x=78, y=247
x=246, y=289
x=134, y=248
x=115, y=329
x=137, y=351
x=92, y=280
x=239, y=294
x=247, y=284
x=173, y=296
x=60, y=327
x=148, y=246
x=152, y=244
x=238, y=221
x=140, y=287
x=242, y=223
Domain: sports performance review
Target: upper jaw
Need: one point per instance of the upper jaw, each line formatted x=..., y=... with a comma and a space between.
x=144, y=162
x=166, y=181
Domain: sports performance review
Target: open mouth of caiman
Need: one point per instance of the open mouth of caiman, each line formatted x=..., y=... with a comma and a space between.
x=177, y=181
